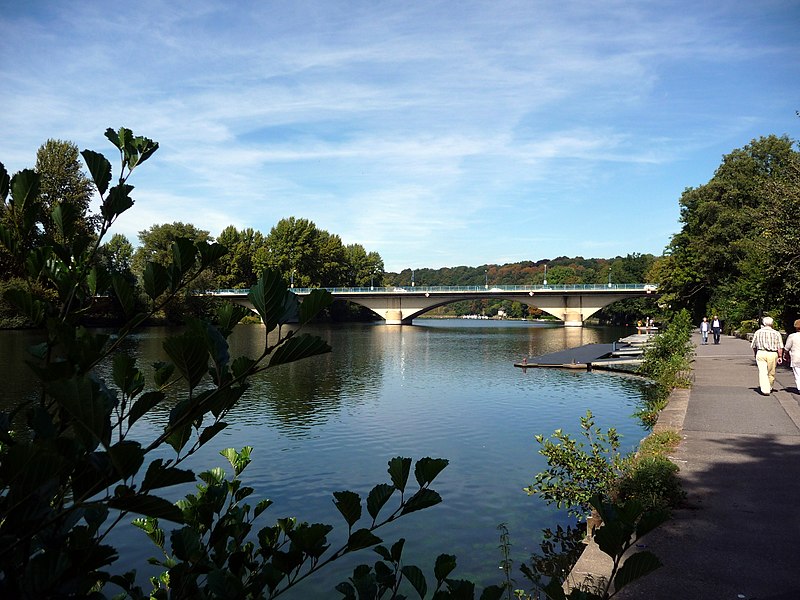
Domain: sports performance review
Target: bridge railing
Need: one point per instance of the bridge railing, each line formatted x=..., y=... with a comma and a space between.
x=446, y=289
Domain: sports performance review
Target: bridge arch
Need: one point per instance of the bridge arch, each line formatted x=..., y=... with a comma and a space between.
x=572, y=309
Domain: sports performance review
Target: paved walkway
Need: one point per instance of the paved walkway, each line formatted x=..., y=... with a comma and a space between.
x=739, y=535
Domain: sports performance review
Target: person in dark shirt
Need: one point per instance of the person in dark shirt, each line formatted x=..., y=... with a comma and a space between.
x=716, y=328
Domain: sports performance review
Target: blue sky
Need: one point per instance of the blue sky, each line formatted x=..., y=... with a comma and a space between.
x=435, y=133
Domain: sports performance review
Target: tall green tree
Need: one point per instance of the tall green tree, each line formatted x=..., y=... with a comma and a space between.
x=158, y=248
x=53, y=208
x=364, y=268
x=332, y=267
x=293, y=244
x=778, y=248
x=117, y=256
x=240, y=267
x=306, y=255
x=713, y=263
x=156, y=243
x=62, y=181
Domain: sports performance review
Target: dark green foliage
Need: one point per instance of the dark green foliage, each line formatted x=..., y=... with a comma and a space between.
x=169, y=255
x=779, y=250
x=653, y=482
x=388, y=577
x=624, y=524
x=64, y=194
x=629, y=495
x=654, y=399
x=218, y=543
x=731, y=255
x=667, y=360
x=311, y=257
x=559, y=550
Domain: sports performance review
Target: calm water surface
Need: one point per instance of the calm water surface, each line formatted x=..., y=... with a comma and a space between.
x=439, y=388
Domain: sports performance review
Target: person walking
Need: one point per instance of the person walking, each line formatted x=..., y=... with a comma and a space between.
x=716, y=328
x=704, y=328
x=793, y=348
x=767, y=347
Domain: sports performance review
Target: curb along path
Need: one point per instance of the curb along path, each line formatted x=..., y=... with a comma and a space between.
x=738, y=537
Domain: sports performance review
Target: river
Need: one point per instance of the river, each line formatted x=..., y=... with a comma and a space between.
x=440, y=388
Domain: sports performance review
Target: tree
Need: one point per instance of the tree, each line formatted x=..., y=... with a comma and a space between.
x=294, y=245
x=632, y=268
x=21, y=210
x=308, y=256
x=712, y=263
x=56, y=184
x=117, y=256
x=332, y=268
x=157, y=240
x=364, y=269
x=240, y=267
x=778, y=249
x=562, y=275
x=157, y=248
x=62, y=181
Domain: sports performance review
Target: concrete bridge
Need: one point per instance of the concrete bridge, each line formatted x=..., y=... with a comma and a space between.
x=572, y=304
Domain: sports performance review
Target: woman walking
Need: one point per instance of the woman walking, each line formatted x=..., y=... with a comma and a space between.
x=704, y=330
x=792, y=347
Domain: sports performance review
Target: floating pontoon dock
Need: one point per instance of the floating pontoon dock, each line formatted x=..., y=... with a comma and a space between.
x=627, y=351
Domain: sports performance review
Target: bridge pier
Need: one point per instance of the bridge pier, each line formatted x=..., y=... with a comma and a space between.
x=393, y=316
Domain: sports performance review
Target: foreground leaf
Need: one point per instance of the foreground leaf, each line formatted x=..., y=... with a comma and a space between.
x=297, y=348
x=147, y=505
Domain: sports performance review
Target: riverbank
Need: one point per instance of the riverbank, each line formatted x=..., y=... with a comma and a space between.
x=736, y=536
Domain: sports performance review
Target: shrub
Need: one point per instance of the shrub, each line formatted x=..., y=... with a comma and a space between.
x=653, y=482
x=578, y=471
x=748, y=326
x=654, y=399
x=668, y=359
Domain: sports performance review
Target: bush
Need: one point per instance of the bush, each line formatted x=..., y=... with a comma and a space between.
x=668, y=359
x=654, y=399
x=10, y=316
x=748, y=326
x=578, y=471
x=653, y=482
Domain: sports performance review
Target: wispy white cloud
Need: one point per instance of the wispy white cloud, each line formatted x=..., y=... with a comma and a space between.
x=425, y=131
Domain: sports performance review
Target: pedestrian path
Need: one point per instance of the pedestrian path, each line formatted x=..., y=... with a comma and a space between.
x=738, y=537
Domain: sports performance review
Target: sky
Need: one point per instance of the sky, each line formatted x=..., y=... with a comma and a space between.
x=434, y=133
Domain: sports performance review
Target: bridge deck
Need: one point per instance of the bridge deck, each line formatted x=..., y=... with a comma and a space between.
x=462, y=289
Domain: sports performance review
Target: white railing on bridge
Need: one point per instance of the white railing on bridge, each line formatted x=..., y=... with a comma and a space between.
x=445, y=289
